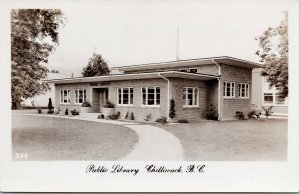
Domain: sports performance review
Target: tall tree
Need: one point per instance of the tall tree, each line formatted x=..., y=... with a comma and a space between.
x=274, y=55
x=34, y=36
x=96, y=67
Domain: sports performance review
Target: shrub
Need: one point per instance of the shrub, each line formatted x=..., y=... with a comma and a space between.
x=50, y=106
x=39, y=110
x=268, y=111
x=67, y=111
x=240, y=115
x=183, y=121
x=74, y=112
x=109, y=104
x=162, y=120
x=211, y=112
x=132, y=116
x=172, y=112
x=50, y=111
x=114, y=116
x=148, y=117
x=127, y=115
x=86, y=104
x=101, y=116
x=253, y=114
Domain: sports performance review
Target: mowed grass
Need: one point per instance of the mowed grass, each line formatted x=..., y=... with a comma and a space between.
x=251, y=140
x=46, y=138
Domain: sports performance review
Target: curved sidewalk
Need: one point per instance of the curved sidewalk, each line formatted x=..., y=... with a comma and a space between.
x=155, y=144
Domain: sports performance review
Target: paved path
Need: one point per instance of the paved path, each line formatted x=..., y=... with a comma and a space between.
x=155, y=144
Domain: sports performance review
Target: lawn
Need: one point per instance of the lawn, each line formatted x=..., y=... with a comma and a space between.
x=46, y=138
x=251, y=140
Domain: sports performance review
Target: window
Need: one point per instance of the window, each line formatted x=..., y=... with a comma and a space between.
x=64, y=96
x=228, y=89
x=80, y=96
x=190, y=97
x=268, y=98
x=183, y=70
x=151, y=96
x=193, y=70
x=243, y=90
x=125, y=96
x=273, y=98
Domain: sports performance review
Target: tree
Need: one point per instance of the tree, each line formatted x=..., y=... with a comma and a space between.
x=274, y=55
x=172, y=112
x=34, y=36
x=96, y=67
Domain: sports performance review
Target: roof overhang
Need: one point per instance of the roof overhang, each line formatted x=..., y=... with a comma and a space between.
x=122, y=77
x=191, y=62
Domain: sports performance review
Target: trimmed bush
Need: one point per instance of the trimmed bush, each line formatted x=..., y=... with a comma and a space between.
x=101, y=116
x=50, y=111
x=183, y=121
x=86, y=104
x=109, y=104
x=50, y=106
x=162, y=120
x=132, y=116
x=114, y=116
x=211, y=112
x=74, y=112
x=127, y=115
x=67, y=111
x=39, y=110
x=253, y=114
x=172, y=112
x=240, y=115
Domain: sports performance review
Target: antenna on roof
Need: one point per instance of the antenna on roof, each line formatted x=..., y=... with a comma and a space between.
x=177, y=45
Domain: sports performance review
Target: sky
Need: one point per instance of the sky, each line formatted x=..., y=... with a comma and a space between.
x=142, y=32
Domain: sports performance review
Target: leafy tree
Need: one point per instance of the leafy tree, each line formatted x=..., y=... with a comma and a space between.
x=96, y=67
x=274, y=55
x=34, y=36
x=172, y=112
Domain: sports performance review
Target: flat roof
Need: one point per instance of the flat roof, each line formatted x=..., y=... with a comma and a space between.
x=191, y=62
x=137, y=76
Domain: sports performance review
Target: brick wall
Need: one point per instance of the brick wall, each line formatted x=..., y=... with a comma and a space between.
x=72, y=88
x=138, y=110
x=237, y=75
x=177, y=95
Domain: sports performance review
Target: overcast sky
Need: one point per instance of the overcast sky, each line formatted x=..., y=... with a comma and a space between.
x=126, y=34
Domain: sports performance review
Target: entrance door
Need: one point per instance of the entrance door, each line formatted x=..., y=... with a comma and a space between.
x=103, y=97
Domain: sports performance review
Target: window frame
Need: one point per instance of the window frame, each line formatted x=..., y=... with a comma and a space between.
x=247, y=90
x=186, y=70
x=232, y=92
x=155, y=96
x=273, y=103
x=84, y=95
x=193, y=68
x=62, y=96
x=185, y=104
x=122, y=97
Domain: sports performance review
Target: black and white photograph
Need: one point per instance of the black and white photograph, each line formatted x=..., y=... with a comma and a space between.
x=148, y=91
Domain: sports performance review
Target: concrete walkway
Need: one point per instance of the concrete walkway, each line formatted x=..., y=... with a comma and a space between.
x=155, y=144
